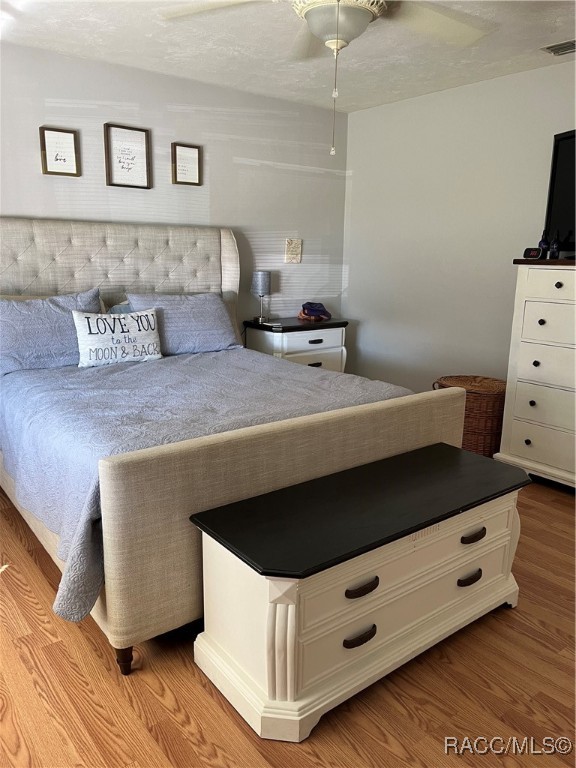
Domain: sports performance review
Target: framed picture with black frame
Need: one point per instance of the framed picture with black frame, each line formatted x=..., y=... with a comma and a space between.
x=127, y=156
x=186, y=164
x=60, y=151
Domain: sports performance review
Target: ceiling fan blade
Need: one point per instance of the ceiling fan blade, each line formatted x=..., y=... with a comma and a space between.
x=306, y=46
x=203, y=6
x=432, y=20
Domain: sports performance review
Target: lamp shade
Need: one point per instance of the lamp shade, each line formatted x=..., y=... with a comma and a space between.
x=260, y=283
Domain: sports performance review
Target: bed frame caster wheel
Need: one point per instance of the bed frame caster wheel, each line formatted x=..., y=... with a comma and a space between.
x=124, y=659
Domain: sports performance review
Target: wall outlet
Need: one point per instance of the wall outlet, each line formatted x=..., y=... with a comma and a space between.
x=293, y=251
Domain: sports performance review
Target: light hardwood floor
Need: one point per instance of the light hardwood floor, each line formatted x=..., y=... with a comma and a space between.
x=510, y=674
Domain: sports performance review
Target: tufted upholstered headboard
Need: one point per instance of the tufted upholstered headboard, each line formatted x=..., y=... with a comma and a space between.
x=43, y=257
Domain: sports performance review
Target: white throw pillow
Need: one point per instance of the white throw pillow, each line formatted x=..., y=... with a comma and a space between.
x=108, y=339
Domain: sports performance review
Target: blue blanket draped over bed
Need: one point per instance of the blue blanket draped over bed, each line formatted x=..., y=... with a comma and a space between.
x=55, y=425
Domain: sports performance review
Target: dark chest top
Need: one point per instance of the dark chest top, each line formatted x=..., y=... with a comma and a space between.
x=306, y=528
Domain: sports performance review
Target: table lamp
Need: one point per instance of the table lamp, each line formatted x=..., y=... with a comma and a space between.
x=260, y=287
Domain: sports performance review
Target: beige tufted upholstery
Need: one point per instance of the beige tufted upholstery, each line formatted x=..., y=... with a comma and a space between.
x=44, y=257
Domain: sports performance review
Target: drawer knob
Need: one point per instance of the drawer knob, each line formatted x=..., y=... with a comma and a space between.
x=314, y=365
x=467, y=581
x=558, y=285
x=541, y=321
x=315, y=341
x=536, y=363
x=361, y=639
x=532, y=403
x=364, y=589
x=472, y=538
x=527, y=441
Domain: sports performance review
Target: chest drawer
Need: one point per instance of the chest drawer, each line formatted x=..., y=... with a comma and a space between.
x=546, y=405
x=313, y=340
x=543, y=445
x=325, y=654
x=546, y=364
x=351, y=588
x=548, y=321
x=551, y=283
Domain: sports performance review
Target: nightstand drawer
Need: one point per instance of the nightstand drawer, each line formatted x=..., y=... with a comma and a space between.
x=546, y=405
x=351, y=588
x=546, y=364
x=336, y=649
x=548, y=321
x=551, y=283
x=543, y=445
x=309, y=341
x=328, y=359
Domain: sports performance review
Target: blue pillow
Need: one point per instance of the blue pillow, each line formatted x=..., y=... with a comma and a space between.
x=189, y=323
x=40, y=333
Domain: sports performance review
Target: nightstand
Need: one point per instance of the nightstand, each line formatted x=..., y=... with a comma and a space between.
x=319, y=345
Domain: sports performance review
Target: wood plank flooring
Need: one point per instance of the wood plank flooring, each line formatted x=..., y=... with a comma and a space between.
x=63, y=703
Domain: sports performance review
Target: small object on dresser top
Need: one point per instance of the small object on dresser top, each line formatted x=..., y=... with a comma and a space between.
x=554, y=252
x=534, y=253
x=544, y=244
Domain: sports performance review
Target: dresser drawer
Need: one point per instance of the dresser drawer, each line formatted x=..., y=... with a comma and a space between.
x=328, y=359
x=548, y=321
x=350, y=589
x=543, y=444
x=308, y=341
x=324, y=654
x=550, y=283
x=546, y=364
x=552, y=407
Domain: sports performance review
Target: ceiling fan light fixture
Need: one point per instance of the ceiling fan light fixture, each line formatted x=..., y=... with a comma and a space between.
x=336, y=23
x=338, y=26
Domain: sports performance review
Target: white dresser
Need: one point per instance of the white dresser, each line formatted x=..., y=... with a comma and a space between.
x=314, y=592
x=318, y=345
x=538, y=429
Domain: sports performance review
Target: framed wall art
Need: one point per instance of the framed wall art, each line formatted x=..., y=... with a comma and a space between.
x=186, y=164
x=60, y=151
x=127, y=156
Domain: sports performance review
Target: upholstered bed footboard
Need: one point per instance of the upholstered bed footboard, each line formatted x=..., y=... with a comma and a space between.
x=152, y=552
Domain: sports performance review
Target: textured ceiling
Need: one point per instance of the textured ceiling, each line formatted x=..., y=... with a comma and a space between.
x=417, y=48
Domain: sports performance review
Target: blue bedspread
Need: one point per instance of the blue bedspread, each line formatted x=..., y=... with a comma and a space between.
x=55, y=425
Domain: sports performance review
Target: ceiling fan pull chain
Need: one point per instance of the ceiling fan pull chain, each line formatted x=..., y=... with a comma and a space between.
x=335, y=89
x=336, y=51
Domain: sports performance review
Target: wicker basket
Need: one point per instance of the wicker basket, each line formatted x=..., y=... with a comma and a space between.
x=483, y=413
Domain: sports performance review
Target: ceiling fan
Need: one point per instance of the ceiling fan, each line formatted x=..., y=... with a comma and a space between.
x=335, y=23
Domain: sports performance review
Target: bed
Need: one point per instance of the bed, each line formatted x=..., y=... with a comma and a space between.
x=143, y=491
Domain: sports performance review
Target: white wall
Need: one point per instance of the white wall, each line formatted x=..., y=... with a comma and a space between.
x=268, y=173
x=443, y=192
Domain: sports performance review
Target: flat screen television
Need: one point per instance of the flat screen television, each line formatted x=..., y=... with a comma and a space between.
x=560, y=207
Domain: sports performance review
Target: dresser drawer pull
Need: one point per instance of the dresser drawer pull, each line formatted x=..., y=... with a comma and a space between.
x=541, y=321
x=527, y=441
x=558, y=285
x=472, y=538
x=314, y=365
x=355, y=642
x=536, y=363
x=532, y=403
x=467, y=581
x=365, y=589
x=315, y=341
